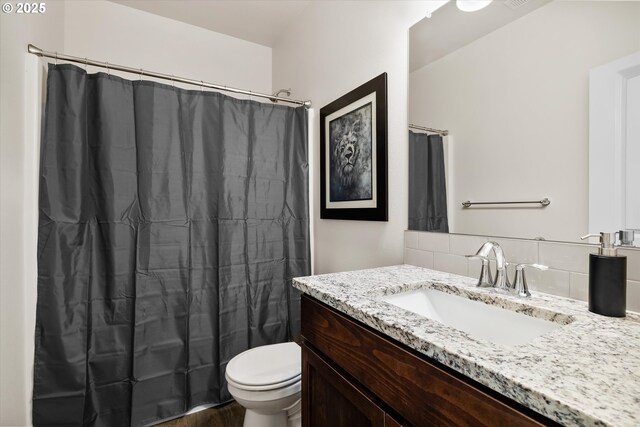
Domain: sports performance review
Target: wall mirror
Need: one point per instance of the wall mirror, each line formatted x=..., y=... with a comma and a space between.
x=510, y=85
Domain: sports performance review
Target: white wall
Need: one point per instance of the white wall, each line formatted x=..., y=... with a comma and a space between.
x=516, y=104
x=332, y=48
x=99, y=30
x=122, y=35
x=19, y=126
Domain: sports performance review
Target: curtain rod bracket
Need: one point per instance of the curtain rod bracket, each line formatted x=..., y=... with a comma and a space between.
x=34, y=50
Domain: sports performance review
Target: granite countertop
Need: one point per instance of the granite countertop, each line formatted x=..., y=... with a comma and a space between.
x=585, y=373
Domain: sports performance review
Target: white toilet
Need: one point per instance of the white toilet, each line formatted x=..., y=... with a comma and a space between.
x=266, y=382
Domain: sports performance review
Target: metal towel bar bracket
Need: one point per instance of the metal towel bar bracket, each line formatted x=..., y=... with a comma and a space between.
x=544, y=202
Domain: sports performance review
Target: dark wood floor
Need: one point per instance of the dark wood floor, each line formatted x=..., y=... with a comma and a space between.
x=230, y=415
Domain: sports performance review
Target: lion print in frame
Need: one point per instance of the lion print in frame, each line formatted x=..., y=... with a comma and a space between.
x=350, y=146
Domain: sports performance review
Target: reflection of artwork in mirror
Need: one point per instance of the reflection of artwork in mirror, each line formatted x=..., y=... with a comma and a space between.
x=353, y=154
x=427, y=183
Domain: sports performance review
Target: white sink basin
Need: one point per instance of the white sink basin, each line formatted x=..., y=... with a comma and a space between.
x=477, y=319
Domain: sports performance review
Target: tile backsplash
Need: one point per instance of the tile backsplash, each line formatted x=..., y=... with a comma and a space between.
x=568, y=262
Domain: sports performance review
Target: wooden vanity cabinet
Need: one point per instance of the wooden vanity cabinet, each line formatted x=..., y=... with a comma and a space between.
x=336, y=400
x=355, y=376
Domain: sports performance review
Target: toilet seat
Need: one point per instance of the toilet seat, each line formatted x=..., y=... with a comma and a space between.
x=266, y=387
x=264, y=368
x=240, y=394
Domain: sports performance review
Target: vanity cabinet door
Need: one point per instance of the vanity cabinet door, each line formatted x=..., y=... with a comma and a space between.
x=421, y=391
x=330, y=400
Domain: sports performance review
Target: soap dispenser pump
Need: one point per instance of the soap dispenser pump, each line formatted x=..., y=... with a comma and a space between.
x=607, y=278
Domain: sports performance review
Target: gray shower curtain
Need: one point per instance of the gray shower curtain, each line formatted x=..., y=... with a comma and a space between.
x=427, y=183
x=171, y=223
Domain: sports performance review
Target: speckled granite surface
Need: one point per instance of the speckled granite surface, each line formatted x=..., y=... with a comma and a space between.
x=586, y=373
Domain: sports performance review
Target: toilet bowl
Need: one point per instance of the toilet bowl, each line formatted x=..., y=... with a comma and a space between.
x=266, y=382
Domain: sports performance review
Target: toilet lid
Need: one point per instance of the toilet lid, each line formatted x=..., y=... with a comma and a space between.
x=265, y=365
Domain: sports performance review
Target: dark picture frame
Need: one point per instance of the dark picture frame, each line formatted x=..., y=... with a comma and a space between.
x=353, y=154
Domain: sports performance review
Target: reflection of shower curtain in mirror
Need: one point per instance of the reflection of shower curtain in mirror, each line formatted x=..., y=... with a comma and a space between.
x=427, y=184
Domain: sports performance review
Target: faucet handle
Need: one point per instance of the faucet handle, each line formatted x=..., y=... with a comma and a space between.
x=587, y=236
x=520, y=281
x=485, y=280
x=538, y=266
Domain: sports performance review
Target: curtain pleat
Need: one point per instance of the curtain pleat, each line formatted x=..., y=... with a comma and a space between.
x=171, y=224
x=427, y=183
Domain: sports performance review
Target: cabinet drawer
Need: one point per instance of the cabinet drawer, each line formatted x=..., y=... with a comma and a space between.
x=420, y=390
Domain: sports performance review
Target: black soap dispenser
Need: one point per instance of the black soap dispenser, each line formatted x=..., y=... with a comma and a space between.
x=607, y=278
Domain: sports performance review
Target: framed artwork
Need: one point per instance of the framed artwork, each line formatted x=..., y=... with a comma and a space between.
x=353, y=154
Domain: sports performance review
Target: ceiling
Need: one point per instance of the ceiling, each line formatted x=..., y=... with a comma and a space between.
x=258, y=21
x=262, y=21
x=449, y=29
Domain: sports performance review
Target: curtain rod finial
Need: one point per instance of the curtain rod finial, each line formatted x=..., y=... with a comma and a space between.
x=33, y=49
x=307, y=104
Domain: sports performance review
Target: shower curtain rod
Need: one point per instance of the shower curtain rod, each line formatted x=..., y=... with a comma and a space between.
x=438, y=131
x=139, y=71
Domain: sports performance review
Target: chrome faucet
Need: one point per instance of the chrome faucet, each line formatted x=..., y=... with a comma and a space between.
x=501, y=281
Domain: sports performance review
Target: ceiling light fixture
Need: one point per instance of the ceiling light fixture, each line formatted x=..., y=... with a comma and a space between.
x=472, y=5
